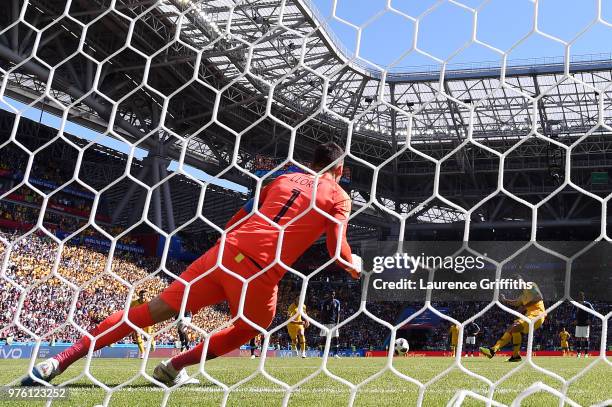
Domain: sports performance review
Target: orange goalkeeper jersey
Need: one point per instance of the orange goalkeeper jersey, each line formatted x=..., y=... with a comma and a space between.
x=284, y=200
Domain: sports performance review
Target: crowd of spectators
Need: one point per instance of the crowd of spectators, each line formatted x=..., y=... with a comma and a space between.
x=50, y=300
x=18, y=213
x=96, y=294
x=26, y=216
x=47, y=305
x=67, y=209
x=61, y=198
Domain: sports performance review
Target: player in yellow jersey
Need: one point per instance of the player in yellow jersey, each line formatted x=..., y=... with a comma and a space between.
x=254, y=344
x=297, y=327
x=454, y=338
x=564, y=337
x=531, y=304
x=149, y=329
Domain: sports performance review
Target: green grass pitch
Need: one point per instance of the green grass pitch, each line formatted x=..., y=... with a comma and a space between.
x=387, y=390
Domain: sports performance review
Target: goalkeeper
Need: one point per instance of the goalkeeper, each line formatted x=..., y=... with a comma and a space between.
x=249, y=247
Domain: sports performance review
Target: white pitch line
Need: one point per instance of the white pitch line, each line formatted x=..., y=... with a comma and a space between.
x=329, y=390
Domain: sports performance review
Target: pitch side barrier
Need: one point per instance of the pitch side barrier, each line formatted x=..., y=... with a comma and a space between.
x=442, y=353
x=24, y=350
x=128, y=351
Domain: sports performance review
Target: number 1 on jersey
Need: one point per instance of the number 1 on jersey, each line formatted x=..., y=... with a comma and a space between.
x=294, y=195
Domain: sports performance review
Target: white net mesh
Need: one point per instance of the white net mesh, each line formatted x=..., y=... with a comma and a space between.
x=231, y=87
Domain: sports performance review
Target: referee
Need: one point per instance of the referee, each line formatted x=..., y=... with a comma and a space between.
x=330, y=317
x=181, y=327
x=472, y=332
x=582, y=319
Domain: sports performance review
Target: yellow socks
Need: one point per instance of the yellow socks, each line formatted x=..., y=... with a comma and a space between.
x=140, y=345
x=503, y=341
x=303, y=344
x=517, y=337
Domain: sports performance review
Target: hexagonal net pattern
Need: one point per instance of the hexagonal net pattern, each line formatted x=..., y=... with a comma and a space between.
x=244, y=90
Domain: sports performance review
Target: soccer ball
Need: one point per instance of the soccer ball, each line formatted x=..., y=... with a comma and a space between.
x=401, y=346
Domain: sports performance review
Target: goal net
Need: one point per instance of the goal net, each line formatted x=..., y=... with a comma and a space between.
x=132, y=131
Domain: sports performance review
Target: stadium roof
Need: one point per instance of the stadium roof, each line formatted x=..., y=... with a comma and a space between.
x=291, y=48
x=272, y=46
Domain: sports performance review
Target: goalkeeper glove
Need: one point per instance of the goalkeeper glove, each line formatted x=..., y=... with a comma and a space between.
x=357, y=266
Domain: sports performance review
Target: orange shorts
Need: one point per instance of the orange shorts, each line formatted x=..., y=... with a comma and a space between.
x=217, y=286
